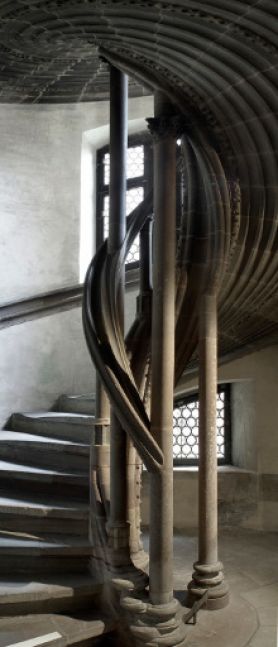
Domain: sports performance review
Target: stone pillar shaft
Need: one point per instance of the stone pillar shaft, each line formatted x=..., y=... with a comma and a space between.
x=208, y=570
x=118, y=148
x=102, y=404
x=163, y=358
x=145, y=276
x=208, y=529
x=118, y=527
x=102, y=414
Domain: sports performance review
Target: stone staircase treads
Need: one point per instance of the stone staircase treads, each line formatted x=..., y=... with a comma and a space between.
x=15, y=477
x=52, y=554
x=19, y=545
x=64, y=509
x=69, y=426
x=44, y=512
x=43, y=517
x=42, y=451
x=19, y=596
x=16, y=470
x=55, y=630
x=76, y=404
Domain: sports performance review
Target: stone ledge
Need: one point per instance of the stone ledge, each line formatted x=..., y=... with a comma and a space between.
x=192, y=470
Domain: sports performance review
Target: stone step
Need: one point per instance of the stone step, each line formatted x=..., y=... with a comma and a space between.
x=15, y=477
x=54, y=424
x=22, y=595
x=76, y=404
x=55, y=630
x=43, y=517
x=20, y=553
x=44, y=451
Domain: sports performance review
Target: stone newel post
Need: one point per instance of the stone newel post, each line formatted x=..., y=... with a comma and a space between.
x=208, y=570
x=161, y=613
x=118, y=527
x=163, y=352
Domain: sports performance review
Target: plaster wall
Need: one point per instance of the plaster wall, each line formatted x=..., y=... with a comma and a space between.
x=40, y=191
x=42, y=359
x=47, y=152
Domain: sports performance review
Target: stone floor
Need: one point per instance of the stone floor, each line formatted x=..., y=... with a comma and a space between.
x=251, y=568
x=250, y=620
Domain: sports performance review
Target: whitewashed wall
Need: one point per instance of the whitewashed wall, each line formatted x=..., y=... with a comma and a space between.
x=40, y=214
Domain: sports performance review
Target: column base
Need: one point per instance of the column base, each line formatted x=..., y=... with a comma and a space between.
x=152, y=625
x=208, y=578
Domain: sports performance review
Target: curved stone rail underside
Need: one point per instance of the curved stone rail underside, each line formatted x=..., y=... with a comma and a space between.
x=218, y=60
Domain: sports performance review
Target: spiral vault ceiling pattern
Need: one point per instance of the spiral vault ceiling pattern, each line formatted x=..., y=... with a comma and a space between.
x=218, y=60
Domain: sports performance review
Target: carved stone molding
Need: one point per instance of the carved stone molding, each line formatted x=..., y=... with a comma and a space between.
x=168, y=126
x=150, y=624
x=209, y=578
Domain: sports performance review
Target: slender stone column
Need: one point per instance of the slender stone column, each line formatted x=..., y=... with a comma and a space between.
x=146, y=257
x=144, y=301
x=155, y=620
x=163, y=354
x=99, y=466
x=102, y=414
x=118, y=528
x=208, y=570
x=102, y=405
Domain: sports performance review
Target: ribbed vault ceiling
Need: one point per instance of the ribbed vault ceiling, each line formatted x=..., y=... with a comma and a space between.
x=218, y=60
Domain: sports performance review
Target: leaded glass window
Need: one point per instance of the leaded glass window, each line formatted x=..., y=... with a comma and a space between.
x=186, y=428
x=139, y=176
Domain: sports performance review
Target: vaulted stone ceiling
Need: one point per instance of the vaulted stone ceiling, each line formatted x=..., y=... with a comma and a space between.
x=218, y=60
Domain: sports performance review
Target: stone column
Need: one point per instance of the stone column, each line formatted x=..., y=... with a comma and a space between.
x=144, y=300
x=118, y=528
x=208, y=570
x=154, y=618
x=163, y=353
x=102, y=414
x=99, y=474
x=99, y=466
x=102, y=405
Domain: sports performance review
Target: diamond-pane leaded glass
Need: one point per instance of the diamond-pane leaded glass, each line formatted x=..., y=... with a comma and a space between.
x=134, y=193
x=186, y=428
x=133, y=198
x=134, y=160
x=105, y=215
x=106, y=165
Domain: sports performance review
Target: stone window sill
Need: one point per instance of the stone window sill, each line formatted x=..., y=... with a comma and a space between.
x=192, y=470
x=221, y=468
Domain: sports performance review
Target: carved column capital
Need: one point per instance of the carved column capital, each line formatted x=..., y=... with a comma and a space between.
x=167, y=126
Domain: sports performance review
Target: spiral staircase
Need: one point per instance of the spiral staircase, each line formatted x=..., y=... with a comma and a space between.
x=47, y=592
x=213, y=69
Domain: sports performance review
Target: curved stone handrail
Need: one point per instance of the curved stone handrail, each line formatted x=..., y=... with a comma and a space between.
x=106, y=343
